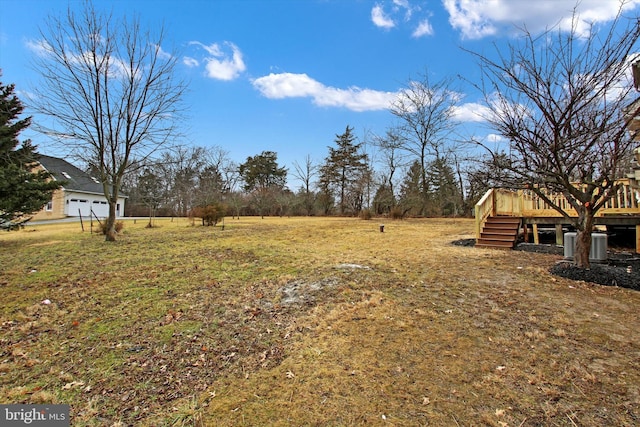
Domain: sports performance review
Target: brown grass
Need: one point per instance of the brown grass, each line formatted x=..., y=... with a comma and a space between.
x=300, y=321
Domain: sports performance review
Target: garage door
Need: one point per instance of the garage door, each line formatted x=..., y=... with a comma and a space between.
x=100, y=208
x=78, y=205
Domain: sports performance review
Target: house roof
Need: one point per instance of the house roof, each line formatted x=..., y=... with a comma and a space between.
x=76, y=179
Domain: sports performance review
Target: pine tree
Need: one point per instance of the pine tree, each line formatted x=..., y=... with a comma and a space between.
x=343, y=171
x=23, y=191
x=412, y=192
x=264, y=179
x=444, y=190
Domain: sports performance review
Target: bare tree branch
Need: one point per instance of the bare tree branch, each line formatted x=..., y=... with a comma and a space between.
x=559, y=101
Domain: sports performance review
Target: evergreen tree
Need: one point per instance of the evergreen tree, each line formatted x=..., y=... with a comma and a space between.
x=262, y=172
x=384, y=200
x=343, y=171
x=23, y=190
x=445, y=194
x=264, y=179
x=412, y=192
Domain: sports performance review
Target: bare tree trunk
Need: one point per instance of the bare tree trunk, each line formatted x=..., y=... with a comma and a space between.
x=110, y=225
x=583, y=238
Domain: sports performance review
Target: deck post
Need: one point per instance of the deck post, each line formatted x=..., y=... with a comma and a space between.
x=638, y=238
x=536, y=238
x=559, y=236
x=525, y=232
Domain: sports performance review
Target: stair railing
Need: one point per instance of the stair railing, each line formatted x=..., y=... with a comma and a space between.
x=496, y=201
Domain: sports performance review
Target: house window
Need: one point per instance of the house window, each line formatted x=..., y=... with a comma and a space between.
x=49, y=207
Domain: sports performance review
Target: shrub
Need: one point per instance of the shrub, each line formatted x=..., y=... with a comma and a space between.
x=365, y=214
x=209, y=214
x=396, y=213
x=102, y=227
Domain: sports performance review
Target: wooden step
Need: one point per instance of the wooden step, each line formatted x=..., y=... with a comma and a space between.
x=494, y=244
x=499, y=232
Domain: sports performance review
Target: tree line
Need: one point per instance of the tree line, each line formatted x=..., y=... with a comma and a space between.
x=186, y=180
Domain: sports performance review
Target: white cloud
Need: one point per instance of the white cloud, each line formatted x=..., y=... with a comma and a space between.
x=404, y=5
x=493, y=137
x=423, y=29
x=26, y=95
x=39, y=47
x=289, y=85
x=380, y=19
x=116, y=67
x=220, y=64
x=480, y=18
x=471, y=112
x=399, y=13
x=162, y=54
x=190, y=62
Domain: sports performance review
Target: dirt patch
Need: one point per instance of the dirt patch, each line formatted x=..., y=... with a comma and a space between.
x=620, y=269
x=301, y=292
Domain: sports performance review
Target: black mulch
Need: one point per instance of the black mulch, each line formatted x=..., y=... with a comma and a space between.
x=621, y=268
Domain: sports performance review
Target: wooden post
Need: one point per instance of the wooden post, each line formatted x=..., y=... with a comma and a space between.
x=525, y=232
x=494, y=202
x=559, y=234
x=638, y=238
x=536, y=238
x=81, y=224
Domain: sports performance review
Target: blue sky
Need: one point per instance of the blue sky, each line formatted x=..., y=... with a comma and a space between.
x=288, y=75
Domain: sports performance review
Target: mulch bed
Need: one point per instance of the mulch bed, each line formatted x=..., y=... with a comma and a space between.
x=621, y=268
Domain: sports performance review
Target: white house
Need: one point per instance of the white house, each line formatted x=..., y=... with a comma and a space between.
x=80, y=195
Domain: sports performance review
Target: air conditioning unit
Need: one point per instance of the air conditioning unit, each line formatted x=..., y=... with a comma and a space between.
x=598, y=252
x=569, y=244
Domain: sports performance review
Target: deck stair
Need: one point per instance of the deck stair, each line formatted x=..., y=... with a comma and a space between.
x=499, y=232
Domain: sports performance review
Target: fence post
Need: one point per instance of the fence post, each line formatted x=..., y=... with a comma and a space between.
x=81, y=223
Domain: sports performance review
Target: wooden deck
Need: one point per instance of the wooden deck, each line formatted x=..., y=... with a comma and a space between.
x=622, y=210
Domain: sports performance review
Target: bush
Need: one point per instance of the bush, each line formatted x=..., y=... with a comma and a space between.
x=209, y=214
x=396, y=213
x=102, y=226
x=365, y=214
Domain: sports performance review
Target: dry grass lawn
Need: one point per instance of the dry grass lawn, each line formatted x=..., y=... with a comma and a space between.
x=299, y=321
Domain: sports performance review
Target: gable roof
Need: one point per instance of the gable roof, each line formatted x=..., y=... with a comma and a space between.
x=75, y=179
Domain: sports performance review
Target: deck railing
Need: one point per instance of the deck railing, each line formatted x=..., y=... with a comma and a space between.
x=525, y=203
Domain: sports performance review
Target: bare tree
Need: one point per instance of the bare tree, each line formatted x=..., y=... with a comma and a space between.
x=110, y=91
x=212, y=185
x=180, y=169
x=305, y=173
x=390, y=149
x=426, y=114
x=557, y=99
